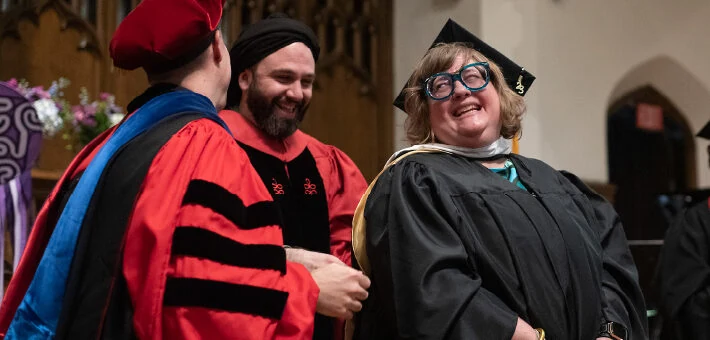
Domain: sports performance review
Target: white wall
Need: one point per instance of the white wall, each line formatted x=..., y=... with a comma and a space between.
x=585, y=54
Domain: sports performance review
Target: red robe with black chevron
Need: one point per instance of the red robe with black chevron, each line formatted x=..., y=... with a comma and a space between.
x=343, y=184
x=202, y=151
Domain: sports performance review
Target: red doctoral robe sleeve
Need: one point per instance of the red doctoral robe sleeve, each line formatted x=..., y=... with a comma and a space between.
x=180, y=293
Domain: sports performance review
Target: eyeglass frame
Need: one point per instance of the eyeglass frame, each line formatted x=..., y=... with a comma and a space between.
x=457, y=76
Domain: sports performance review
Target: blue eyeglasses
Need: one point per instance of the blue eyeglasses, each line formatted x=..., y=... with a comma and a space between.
x=474, y=77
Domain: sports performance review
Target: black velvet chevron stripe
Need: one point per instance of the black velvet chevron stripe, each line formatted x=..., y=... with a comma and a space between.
x=188, y=292
x=223, y=202
x=205, y=244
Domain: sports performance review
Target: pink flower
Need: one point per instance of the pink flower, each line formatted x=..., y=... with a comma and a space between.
x=12, y=82
x=103, y=96
x=84, y=115
x=41, y=93
x=78, y=112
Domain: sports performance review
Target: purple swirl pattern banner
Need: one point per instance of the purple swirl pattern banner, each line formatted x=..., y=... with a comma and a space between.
x=20, y=141
x=20, y=134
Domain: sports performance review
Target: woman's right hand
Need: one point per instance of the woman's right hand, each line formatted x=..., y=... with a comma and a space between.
x=523, y=331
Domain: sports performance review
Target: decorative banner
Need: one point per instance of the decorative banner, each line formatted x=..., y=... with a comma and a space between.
x=20, y=134
x=649, y=117
x=20, y=140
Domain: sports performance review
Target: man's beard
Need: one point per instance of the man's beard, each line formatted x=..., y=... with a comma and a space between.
x=265, y=117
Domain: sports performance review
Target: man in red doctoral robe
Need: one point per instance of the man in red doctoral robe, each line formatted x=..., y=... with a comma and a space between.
x=160, y=228
x=316, y=186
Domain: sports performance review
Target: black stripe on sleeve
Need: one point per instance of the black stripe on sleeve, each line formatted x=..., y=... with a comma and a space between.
x=223, y=202
x=188, y=292
x=205, y=244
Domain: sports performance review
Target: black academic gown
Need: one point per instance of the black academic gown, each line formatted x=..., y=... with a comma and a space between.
x=684, y=273
x=458, y=252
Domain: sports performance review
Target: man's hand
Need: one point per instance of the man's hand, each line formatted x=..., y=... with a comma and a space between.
x=341, y=290
x=310, y=259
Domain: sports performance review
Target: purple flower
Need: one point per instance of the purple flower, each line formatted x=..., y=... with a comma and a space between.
x=90, y=109
x=90, y=121
x=30, y=94
x=53, y=89
x=113, y=108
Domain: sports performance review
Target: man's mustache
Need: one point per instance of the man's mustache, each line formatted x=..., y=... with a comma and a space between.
x=281, y=101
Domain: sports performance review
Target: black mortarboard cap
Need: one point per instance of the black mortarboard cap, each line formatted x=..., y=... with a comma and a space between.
x=705, y=131
x=516, y=76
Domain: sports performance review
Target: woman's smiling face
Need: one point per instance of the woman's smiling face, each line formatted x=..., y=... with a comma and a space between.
x=468, y=119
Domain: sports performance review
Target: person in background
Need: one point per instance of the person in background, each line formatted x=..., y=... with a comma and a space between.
x=463, y=239
x=315, y=186
x=684, y=269
x=160, y=228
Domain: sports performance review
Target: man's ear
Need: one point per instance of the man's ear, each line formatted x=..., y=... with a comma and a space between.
x=217, y=42
x=245, y=79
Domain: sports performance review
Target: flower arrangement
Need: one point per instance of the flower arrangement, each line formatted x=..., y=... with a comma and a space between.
x=90, y=119
x=81, y=122
x=49, y=104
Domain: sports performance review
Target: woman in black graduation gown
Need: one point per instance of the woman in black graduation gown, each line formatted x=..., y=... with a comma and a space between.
x=465, y=240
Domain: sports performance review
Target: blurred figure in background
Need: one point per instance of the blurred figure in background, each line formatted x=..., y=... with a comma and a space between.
x=684, y=269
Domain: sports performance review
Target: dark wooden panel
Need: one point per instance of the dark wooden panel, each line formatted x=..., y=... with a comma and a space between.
x=42, y=44
x=351, y=107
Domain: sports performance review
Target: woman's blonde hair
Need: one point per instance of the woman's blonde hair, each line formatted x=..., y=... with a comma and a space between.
x=439, y=59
